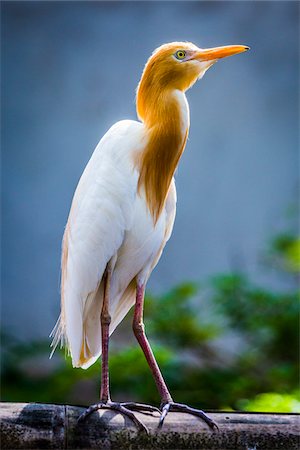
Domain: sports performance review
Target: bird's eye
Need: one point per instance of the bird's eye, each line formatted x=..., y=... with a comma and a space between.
x=180, y=54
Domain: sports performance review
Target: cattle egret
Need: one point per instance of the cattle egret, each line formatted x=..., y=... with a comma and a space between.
x=121, y=217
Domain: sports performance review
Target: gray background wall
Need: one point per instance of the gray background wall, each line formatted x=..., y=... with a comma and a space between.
x=69, y=71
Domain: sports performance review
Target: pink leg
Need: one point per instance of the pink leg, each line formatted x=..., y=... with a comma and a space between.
x=167, y=403
x=139, y=332
x=105, y=322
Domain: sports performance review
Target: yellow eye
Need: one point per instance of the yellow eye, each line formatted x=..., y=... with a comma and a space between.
x=180, y=54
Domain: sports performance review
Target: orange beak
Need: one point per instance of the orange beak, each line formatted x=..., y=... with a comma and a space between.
x=210, y=54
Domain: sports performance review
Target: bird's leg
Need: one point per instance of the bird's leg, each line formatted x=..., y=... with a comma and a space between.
x=139, y=332
x=167, y=403
x=105, y=322
x=105, y=401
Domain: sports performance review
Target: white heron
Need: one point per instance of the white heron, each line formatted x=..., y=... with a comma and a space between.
x=122, y=215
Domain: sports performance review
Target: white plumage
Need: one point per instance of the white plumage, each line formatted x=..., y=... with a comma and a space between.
x=108, y=221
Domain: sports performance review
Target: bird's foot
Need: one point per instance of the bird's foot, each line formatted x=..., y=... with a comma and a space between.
x=178, y=407
x=125, y=408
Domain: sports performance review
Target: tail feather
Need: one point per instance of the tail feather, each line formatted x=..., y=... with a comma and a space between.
x=59, y=337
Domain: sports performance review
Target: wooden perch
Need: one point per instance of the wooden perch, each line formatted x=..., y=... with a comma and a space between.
x=38, y=426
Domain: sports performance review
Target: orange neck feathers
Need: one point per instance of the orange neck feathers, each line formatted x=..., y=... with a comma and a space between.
x=161, y=111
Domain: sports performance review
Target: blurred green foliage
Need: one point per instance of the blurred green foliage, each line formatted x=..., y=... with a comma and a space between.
x=226, y=344
x=285, y=252
x=274, y=402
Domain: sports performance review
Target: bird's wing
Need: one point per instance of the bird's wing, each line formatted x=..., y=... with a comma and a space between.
x=100, y=214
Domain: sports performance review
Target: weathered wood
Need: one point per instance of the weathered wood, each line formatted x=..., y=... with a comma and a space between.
x=55, y=426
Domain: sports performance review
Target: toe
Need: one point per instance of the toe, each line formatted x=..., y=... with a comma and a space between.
x=89, y=411
x=164, y=412
x=178, y=407
x=138, y=423
x=140, y=407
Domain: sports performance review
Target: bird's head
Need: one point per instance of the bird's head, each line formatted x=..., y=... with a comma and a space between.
x=178, y=65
